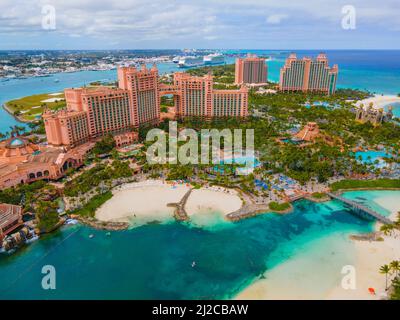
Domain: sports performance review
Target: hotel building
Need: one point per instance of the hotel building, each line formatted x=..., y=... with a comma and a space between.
x=22, y=161
x=10, y=219
x=308, y=75
x=195, y=97
x=90, y=113
x=94, y=112
x=144, y=98
x=250, y=70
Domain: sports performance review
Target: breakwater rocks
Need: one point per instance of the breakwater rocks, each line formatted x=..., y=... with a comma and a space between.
x=251, y=210
x=372, y=236
x=17, y=238
x=53, y=228
x=180, y=213
x=101, y=225
x=247, y=211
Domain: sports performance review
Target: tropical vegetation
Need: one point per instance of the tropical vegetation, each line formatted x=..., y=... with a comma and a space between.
x=275, y=206
x=367, y=184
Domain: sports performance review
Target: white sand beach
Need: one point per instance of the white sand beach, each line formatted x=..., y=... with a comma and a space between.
x=379, y=101
x=142, y=202
x=213, y=199
x=304, y=278
x=370, y=256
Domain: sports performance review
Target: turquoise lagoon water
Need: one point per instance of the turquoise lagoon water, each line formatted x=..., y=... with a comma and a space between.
x=155, y=261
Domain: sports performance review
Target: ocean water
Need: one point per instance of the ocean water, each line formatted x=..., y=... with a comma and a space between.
x=374, y=70
x=155, y=261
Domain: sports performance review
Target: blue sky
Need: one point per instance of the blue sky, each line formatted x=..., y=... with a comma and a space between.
x=250, y=24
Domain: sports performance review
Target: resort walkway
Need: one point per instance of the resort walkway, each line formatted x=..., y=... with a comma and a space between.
x=361, y=209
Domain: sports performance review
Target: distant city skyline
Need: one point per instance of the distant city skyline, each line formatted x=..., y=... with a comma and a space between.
x=223, y=24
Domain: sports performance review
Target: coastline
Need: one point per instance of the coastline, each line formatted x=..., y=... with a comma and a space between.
x=370, y=256
x=155, y=200
x=17, y=118
x=365, y=255
x=379, y=101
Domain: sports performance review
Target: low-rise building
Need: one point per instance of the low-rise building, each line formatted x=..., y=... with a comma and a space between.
x=10, y=219
x=22, y=161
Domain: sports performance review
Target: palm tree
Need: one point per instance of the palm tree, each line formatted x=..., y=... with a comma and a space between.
x=395, y=267
x=20, y=129
x=385, y=269
x=387, y=229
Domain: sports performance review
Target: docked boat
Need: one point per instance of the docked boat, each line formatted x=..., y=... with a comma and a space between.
x=214, y=58
x=175, y=59
x=190, y=61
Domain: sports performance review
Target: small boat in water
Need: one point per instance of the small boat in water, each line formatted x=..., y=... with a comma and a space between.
x=193, y=264
x=91, y=236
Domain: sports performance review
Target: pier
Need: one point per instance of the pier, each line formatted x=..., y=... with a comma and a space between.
x=360, y=209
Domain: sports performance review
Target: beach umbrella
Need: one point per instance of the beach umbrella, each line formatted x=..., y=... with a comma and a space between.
x=371, y=291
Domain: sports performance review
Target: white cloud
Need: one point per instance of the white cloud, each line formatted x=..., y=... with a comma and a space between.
x=184, y=21
x=276, y=18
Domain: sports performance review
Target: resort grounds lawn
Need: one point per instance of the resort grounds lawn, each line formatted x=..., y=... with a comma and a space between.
x=366, y=184
x=275, y=206
x=31, y=107
x=318, y=195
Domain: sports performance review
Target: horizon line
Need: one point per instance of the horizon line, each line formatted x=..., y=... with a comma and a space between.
x=171, y=49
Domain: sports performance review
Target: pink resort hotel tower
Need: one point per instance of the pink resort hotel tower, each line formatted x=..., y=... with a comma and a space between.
x=250, y=70
x=195, y=97
x=94, y=112
x=308, y=75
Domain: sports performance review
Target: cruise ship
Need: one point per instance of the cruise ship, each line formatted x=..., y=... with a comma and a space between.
x=190, y=61
x=214, y=58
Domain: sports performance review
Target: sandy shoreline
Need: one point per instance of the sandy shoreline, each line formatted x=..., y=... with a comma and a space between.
x=213, y=199
x=371, y=255
x=295, y=279
x=140, y=203
x=379, y=101
x=143, y=202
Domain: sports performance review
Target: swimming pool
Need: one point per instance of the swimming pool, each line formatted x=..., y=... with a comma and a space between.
x=370, y=156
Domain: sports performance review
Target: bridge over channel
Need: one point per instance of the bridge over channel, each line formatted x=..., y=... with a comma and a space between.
x=361, y=210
